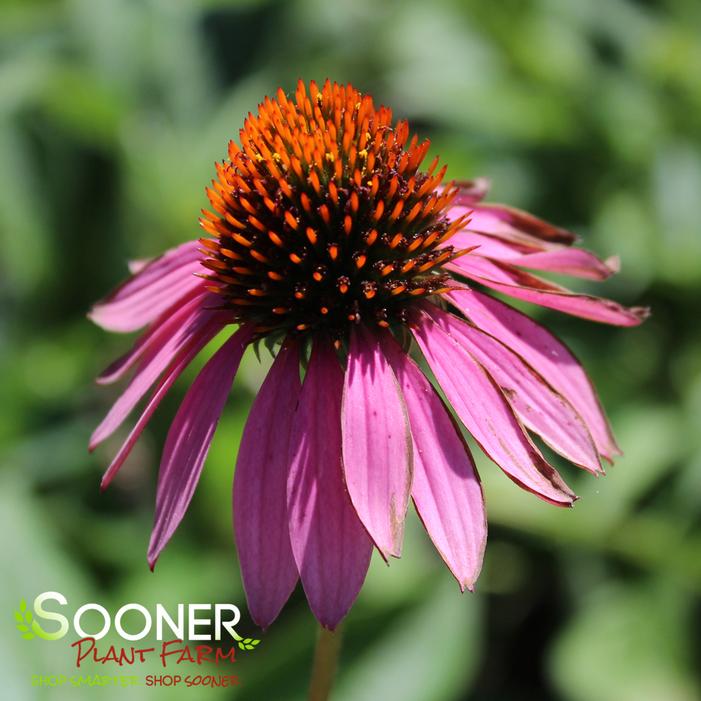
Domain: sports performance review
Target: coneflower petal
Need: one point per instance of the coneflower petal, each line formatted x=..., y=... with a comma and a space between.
x=503, y=220
x=138, y=264
x=268, y=567
x=576, y=262
x=446, y=489
x=546, y=354
x=181, y=361
x=553, y=258
x=146, y=342
x=471, y=192
x=330, y=545
x=154, y=288
x=171, y=338
x=536, y=404
x=486, y=413
x=491, y=246
x=530, y=288
x=189, y=438
x=376, y=443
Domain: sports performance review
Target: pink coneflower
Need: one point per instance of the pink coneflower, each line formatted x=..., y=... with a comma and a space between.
x=327, y=242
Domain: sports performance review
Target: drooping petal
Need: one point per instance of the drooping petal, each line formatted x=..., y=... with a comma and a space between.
x=530, y=288
x=576, y=262
x=484, y=224
x=503, y=220
x=146, y=343
x=537, y=404
x=376, y=443
x=261, y=528
x=169, y=340
x=331, y=548
x=553, y=258
x=137, y=265
x=446, y=489
x=189, y=438
x=546, y=354
x=484, y=410
x=471, y=191
x=182, y=360
x=154, y=288
x=119, y=368
x=489, y=246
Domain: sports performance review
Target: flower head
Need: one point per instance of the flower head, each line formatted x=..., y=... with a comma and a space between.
x=327, y=240
x=323, y=219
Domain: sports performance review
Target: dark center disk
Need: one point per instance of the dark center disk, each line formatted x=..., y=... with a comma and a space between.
x=323, y=218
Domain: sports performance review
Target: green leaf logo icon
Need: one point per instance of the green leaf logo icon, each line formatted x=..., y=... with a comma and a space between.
x=23, y=617
x=245, y=643
x=28, y=627
x=248, y=643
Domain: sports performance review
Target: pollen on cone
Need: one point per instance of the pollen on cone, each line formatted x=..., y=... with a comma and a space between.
x=322, y=182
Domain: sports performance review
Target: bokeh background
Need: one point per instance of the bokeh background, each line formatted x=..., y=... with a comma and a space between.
x=112, y=113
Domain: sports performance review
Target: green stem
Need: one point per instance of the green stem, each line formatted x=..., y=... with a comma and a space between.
x=328, y=647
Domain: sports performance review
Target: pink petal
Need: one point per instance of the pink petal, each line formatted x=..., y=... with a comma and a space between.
x=546, y=354
x=484, y=410
x=485, y=223
x=137, y=265
x=169, y=340
x=530, y=288
x=376, y=443
x=472, y=191
x=490, y=246
x=569, y=261
x=155, y=288
x=446, y=488
x=331, y=548
x=553, y=258
x=268, y=568
x=189, y=438
x=501, y=219
x=146, y=342
x=182, y=360
x=536, y=404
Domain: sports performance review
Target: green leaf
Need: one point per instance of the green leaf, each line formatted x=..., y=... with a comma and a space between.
x=18, y=617
x=411, y=660
x=28, y=616
x=28, y=636
x=634, y=637
x=23, y=605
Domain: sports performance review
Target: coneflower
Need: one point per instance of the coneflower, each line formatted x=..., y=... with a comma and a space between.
x=328, y=243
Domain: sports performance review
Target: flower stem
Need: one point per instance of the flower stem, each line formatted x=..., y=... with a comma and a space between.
x=328, y=647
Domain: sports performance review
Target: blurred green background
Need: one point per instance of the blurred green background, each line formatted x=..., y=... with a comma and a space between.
x=112, y=113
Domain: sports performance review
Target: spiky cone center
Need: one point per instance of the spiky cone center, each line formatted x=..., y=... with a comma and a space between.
x=323, y=219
